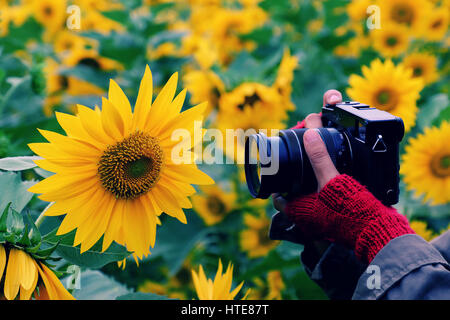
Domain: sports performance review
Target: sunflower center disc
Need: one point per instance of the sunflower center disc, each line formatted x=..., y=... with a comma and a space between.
x=417, y=71
x=402, y=14
x=386, y=99
x=391, y=41
x=216, y=206
x=131, y=167
x=440, y=166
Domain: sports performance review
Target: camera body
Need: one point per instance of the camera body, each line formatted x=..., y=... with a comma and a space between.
x=373, y=137
x=362, y=142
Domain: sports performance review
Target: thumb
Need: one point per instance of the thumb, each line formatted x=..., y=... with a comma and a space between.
x=321, y=162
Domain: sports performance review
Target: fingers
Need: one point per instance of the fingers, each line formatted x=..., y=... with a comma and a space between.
x=313, y=120
x=321, y=162
x=332, y=97
x=279, y=202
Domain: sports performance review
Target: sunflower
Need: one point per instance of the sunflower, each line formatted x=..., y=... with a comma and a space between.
x=423, y=65
x=255, y=238
x=49, y=13
x=353, y=47
x=217, y=289
x=90, y=58
x=204, y=85
x=357, y=9
x=422, y=230
x=391, y=40
x=67, y=41
x=426, y=164
x=114, y=171
x=95, y=21
x=214, y=204
x=409, y=13
x=204, y=51
x=285, y=76
x=58, y=84
x=16, y=14
x=99, y=5
x=436, y=25
x=24, y=274
x=270, y=289
x=388, y=87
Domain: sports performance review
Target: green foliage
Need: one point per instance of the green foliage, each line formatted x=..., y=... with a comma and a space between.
x=93, y=258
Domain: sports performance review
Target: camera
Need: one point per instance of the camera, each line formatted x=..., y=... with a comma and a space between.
x=362, y=141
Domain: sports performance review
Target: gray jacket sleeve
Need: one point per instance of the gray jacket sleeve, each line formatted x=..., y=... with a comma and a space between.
x=407, y=268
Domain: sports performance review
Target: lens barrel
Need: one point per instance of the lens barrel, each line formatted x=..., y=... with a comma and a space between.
x=280, y=164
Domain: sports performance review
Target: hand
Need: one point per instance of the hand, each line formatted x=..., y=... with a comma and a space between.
x=322, y=165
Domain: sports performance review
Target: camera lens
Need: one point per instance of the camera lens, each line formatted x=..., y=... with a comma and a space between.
x=280, y=163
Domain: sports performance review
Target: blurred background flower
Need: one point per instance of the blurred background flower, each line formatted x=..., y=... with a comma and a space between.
x=260, y=64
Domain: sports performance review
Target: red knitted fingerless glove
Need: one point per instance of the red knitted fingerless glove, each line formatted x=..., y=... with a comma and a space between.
x=345, y=212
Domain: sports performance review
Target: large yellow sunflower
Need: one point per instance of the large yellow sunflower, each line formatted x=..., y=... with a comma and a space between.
x=114, y=171
x=423, y=65
x=388, y=87
x=217, y=289
x=426, y=164
x=24, y=274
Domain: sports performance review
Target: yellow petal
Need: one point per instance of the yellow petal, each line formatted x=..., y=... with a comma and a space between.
x=91, y=120
x=135, y=225
x=114, y=225
x=144, y=101
x=2, y=260
x=61, y=182
x=168, y=203
x=120, y=101
x=12, y=277
x=112, y=121
x=187, y=173
x=80, y=211
x=92, y=230
x=74, y=129
x=27, y=269
x=171, y=112
x=26, y=294
x=71, y=146
x=162, y=103
x=185, y=120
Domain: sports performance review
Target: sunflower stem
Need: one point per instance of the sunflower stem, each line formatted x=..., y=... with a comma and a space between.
x=42, y=216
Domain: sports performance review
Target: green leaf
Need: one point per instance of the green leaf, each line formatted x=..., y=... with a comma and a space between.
x=175, y=240
x=143, y=296
x=45, y=253
x=14, y=223
x=14, y=190
x=443, y=116
x=18, y=163
x=432, y=110
x=34, y=235
x=4, y=218
x=25, y=241
x=92, y=258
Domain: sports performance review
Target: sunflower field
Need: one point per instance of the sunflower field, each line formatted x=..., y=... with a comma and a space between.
x=93, y=206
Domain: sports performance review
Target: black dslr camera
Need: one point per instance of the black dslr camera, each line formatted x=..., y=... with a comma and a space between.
x=362, y=142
